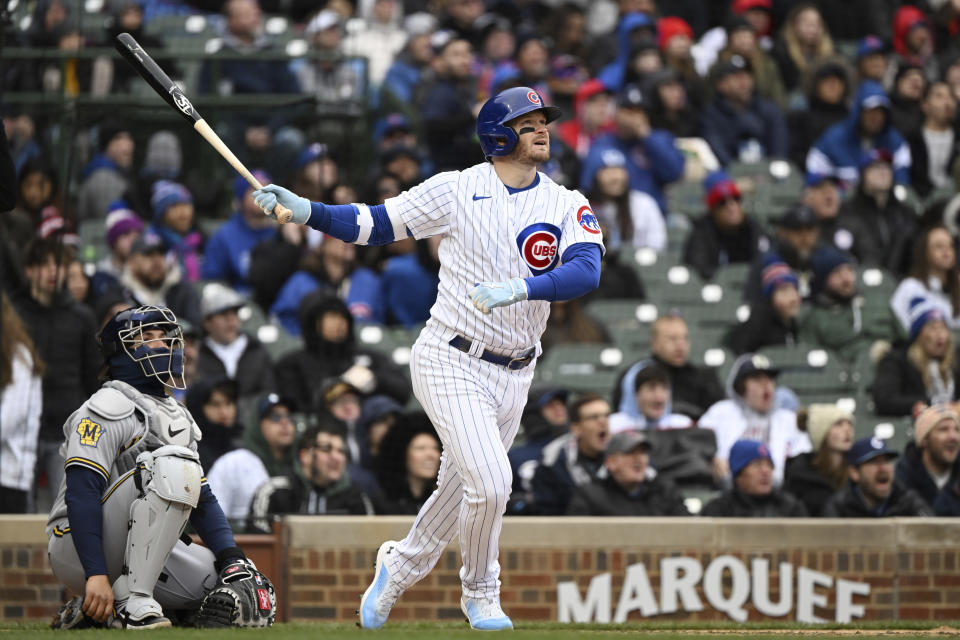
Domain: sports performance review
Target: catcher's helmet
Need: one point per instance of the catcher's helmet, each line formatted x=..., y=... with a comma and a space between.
x=131, y=358
x=496, y=138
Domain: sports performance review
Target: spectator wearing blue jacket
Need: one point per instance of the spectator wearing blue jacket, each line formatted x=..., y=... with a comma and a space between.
x=838, y=151
x=227, y=254
x=633, y=27
x=738, y=124
x=653, y=160
x=410, y=283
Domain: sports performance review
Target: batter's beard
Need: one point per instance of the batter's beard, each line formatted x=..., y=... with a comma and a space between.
x=533, y=155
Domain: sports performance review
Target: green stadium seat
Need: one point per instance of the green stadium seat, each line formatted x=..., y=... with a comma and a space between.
x=582, y=367
x=685, y=197
x=277, y=341
x=814, y=374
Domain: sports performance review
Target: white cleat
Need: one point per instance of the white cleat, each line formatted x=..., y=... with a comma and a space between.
x=140, y=612
x=485, y=614
x=382, y=593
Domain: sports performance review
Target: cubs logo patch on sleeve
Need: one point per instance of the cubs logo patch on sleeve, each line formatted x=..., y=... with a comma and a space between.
x=588, y=220
x=90, y=432
x=539, y=245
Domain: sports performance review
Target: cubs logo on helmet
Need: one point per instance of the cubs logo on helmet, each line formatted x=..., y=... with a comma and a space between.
x=533, y=97
x=539, y=246
x=587, y=220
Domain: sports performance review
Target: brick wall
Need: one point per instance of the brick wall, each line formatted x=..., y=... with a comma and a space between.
x=911, y=565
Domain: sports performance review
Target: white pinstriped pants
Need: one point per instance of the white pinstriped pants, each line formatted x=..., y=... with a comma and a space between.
x=476, y=407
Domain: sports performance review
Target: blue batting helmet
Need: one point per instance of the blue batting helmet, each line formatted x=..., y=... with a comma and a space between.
x=496, y=138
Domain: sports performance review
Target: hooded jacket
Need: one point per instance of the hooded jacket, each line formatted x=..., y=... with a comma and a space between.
x=301, y=373
x=693, y=388
x=683, y=124
x=731, y=418
x=218, y=439
x=838, y=151
x=903, y=21
x=912, y=474
x=613, y=75
x=628, y=414
x=849, y=503
x=391, y=465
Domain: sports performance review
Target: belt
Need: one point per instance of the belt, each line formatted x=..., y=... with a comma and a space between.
x=462, y=344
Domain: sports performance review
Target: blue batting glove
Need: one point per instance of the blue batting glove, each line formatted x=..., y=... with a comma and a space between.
x=268, y=197
x=490, y=295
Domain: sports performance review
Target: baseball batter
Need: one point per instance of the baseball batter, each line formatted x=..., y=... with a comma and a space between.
x=512, y=242
x=133, y=480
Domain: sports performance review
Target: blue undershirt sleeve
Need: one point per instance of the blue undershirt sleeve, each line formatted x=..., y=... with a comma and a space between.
x=211, y=523
x=348, y=221
x=84, y=489
x=578, y=275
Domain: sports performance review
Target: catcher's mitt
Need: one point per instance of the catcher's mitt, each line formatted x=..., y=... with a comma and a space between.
x=242, y=597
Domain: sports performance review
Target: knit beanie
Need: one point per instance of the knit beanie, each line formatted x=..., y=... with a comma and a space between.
x=776, y=273
x=119, y=222
x=670, y=27
x=167, y=193
x=743, y=452
x=824, y=262
x=922, y=311
x=820, y=418
x=719, y=187
x=931, y=417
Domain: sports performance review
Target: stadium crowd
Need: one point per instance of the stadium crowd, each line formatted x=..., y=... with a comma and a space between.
x=858, y=101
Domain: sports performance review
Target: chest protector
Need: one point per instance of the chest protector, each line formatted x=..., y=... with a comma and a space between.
x=164, y=422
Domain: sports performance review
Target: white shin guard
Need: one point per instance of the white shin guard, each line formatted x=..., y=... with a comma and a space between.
x=171, y=488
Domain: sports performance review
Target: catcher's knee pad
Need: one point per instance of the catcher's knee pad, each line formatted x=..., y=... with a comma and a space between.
x=243, y=597
x=170, y=485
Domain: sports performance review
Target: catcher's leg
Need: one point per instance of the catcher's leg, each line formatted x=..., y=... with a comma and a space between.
x=170, y=482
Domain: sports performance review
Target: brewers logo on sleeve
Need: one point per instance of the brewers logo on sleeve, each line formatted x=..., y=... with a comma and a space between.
x=539, y=246
x=90, y=432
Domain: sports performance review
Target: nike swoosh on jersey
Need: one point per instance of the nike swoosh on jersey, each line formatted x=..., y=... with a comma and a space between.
x=476, y=197
x=174, y=434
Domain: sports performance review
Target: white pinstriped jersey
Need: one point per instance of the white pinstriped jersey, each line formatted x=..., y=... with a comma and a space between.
x=490, y=235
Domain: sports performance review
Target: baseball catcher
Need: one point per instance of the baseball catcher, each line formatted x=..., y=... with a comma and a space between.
x=133, y=481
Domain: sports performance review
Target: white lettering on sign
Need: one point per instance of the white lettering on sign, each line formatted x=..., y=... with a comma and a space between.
x=679, y=577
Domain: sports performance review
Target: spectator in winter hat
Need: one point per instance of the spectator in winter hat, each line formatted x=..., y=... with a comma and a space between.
x=815, y=476
x=872, y=490
x=930, y=463
x=593, y=110
x=742, y=40
x=880, y=226
x=773, y=320
x=725, y=234
x=174, y=221
x=934, y=275
x=750, y=412
x=227, y=253
x=921, y=372
x=123, y=227
x=913, y=42
x=754, y=493
x=675, y=39
x=149, y=278
x=834, y=320
x=827, y=88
